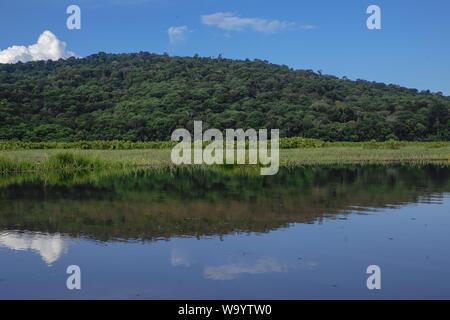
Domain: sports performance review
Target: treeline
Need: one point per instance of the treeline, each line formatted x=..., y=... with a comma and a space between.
x=144, y=97
x=284, y=143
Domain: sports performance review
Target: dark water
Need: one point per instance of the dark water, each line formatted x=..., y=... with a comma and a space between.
x=195, y=234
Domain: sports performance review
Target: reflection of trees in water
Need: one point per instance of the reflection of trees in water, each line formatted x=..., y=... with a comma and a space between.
x=194, y=202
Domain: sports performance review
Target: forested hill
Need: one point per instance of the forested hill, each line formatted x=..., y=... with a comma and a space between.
x=146, y=96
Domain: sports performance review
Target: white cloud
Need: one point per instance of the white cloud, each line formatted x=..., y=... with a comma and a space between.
x=308, y=27
x=230, y=22
x=50, y=247
x=48, y=47
x=234, y=270
x=178, y=34
x=179, y=258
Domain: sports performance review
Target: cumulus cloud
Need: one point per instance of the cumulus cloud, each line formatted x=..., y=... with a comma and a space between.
x=50, y=247
x=308, y=26
x=179, y=258
x=230, y=22
x=48, y=47
x=234, y=270
x=178, y=34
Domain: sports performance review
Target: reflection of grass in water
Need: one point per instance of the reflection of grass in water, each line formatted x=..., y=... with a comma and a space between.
x=162, y=202
x=86, y=174
x=209, y=179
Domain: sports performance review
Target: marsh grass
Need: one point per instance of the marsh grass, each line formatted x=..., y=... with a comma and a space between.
x=8, y=165
x=70, y=161
x=343, y=153
x=410, y=155
x=58, y=162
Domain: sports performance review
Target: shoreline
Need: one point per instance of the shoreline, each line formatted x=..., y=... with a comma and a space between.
x=18, y=161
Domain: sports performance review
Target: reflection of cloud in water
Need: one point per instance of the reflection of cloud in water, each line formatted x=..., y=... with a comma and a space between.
x=233, y=270
x=50, y=247
x=179, y=258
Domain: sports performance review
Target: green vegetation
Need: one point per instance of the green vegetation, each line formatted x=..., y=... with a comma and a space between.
x=142, y=97
x=86, y=145
x=416, y=153
x=59, y=161
x=412, y=155
x=285, y=143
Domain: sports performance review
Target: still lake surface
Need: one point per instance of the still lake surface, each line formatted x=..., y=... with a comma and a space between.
x=305, y=233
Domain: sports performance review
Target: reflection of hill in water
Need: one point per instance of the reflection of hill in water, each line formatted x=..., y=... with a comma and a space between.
x=177, y=202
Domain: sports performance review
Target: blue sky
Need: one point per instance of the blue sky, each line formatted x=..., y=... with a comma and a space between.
x=412, y=49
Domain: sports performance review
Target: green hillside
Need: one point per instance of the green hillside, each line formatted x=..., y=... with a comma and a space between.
x=146, y=96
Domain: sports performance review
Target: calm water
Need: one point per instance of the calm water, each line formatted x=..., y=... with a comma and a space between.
x=192, y=234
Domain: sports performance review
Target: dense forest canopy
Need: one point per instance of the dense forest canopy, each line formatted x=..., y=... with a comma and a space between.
x=146, y=96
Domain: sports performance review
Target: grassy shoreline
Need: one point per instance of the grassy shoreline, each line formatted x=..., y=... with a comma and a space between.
x=284, y=143
x=79, y=159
